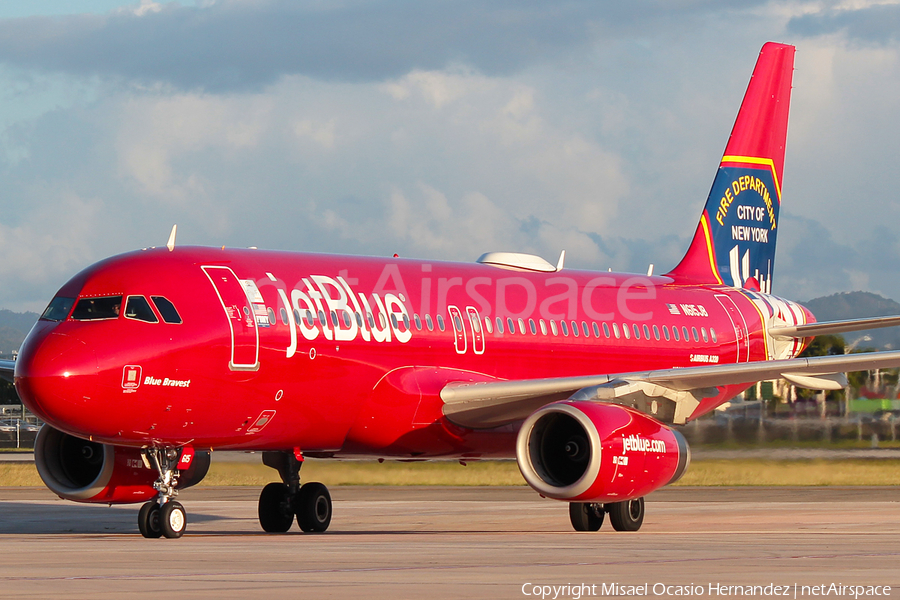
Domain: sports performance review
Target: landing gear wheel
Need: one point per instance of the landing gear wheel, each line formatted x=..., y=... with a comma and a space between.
x=626, y=516
x=313, y=506
x=586, y=516
x=172, y=519
x=148, y=520
x=275, y=511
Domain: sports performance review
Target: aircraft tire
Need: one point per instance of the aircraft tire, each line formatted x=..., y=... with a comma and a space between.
x=275, y=512
x=148, y=520
x=586, y=516
x=626, y=516
x=172, y=519
x=313, y=507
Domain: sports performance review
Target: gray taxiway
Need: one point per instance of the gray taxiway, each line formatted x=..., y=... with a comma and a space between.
x=451, y=543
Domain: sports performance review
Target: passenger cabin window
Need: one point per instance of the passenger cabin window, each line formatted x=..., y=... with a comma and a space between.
x=95, y=309
x=138, y=309
x=440, y=321
x=499, y=325
x=58, y=309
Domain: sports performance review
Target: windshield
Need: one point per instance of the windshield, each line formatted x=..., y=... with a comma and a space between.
x=93, y=309
x=58, y=309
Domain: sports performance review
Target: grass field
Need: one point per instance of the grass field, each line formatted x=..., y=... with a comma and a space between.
x=738, y=472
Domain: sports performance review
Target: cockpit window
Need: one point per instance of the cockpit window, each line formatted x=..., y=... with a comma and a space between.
x=166, y=309
x=58, y=309
x=94, y=309
x=138, y=308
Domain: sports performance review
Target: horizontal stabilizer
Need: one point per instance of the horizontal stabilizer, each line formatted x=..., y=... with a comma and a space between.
x=7, y=370
x=829, y=381
x=833, y=327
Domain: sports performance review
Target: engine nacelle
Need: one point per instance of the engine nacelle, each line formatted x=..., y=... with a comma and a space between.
x=85, y=471
x=597, y=452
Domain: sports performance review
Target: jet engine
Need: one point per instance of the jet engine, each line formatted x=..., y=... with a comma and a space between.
x=85, y=471
x=596, y=452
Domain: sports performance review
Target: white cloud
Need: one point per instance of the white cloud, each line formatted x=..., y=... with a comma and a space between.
x=605, y=145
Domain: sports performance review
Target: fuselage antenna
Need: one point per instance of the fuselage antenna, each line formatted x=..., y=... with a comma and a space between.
x=562, y=259
x=171, y=243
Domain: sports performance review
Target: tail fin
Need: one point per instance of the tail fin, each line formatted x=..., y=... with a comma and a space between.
x=735, y=241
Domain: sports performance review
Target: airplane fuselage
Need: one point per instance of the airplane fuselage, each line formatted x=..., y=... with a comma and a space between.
x=341, y=355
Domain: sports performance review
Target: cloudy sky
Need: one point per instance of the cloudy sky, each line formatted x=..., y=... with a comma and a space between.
x=435, y=129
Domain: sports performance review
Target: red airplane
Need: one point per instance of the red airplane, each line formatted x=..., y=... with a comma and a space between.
x=144, y=363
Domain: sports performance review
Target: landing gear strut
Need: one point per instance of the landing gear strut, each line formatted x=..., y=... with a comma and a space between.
x=163, y=516
x=624, y=516
x=279, y=503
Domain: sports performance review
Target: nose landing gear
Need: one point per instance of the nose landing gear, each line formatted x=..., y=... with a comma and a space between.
x=279, y=503
x=163, y=516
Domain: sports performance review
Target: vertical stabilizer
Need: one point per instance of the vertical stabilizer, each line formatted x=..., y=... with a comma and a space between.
x=735, y=241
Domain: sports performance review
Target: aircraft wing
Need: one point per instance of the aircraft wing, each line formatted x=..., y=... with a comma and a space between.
x=671, y=395
x=832, y=327
x=7, y=370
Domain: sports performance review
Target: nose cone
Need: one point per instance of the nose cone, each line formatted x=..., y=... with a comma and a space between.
x=56, y=377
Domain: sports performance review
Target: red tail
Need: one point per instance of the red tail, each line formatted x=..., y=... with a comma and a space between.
x=735, y=241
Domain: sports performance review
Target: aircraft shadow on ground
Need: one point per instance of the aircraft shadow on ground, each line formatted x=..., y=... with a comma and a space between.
x=32, y=518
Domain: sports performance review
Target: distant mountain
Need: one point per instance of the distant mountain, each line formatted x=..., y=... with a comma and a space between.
x=13, y=329
x=855, y=305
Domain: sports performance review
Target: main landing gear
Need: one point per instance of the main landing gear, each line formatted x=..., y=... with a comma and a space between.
x=163, y=516
x=624, y=516
x=279, y=503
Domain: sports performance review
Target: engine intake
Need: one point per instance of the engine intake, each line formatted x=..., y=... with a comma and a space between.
x=597, y=452
x=86, y=471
